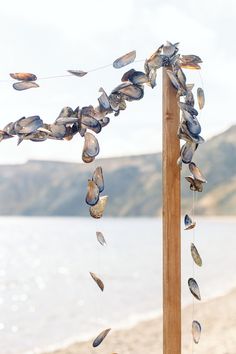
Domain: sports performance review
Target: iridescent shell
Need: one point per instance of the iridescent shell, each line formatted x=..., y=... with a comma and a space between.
x=98, y=340
x=188, y=223
x=98, y=178
x=92, y=196
x=27, y=125
x=24, y=76
x=24, y=85
x=124, y=60
x=91, y=146
x=97, y=210
x=194, y=288
x=196, y=331
x=200, y=97
x=101, y=238
x=197, y=174
x=97, y=280
x=79, y=73
x=196, y=256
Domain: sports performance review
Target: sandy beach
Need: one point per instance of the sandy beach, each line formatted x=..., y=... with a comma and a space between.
x=218, y=319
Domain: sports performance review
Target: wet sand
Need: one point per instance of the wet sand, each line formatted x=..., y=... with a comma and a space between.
x=217, y=317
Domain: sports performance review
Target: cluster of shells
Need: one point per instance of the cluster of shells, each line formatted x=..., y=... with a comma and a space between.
x=90, y=120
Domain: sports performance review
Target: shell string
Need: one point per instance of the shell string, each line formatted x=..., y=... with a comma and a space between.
x=69, y=75
x=193, y=265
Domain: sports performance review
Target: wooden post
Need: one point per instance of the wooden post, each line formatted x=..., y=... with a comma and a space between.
x=171, y=222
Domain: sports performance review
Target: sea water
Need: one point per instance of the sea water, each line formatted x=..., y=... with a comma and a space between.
x=48, y=298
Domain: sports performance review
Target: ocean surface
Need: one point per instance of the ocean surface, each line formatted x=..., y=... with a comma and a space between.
x=48, y=298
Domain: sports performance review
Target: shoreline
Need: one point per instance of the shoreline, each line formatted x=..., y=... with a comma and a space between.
x=217, y=316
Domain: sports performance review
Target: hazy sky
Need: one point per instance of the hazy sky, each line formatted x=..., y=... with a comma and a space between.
x=49, y=37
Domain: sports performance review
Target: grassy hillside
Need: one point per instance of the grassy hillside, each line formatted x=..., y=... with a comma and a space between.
x=132, y=183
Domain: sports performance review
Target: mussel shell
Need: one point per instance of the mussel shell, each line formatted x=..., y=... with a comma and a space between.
x=174, y=80
x=194, y=288
x=23, y=76
x=196, y=331
x=152, y=77
x=138, y=78
x=104, y=121
x=154, y=62
x=97, y=210
x=9, y=128
x=92, y=196
x=195, y=255
x=91, y=123
x=98, y=340
x=87, y=159
x=24, y=85
x=187, y=152
x=98, y=178
x=57, y=131
x=200, y=97
x=189, y=59
x=101, y=238
x=124, y=60
x=193, y=126
x=192, y=66
x=195, y=185
x=130, y=91
x=97, y=280
x=38, y=136
x=186, y=107
x=181, y=77
x=189, y=98
x=188, y=223
x=104, y=100
x=79, y=73
x=66, y=112
x=127, y=75
x=28, y=125
x=197, y=174
x=170, y=49
x=4, y=135
x=65, y=120
x=91, y=146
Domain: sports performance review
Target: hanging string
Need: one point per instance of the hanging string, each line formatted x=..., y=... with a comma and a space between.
x=70, y=75
x=193, y=264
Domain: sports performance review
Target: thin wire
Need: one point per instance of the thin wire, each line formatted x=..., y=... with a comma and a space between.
x=193, y=264
x=69, y=75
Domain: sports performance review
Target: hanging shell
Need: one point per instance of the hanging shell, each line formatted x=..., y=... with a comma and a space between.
x=196, y=256
x=197, y=174
x=101, y=238
x=194, y=288
x=124, y=60
x=187, y=151
x=170, y=49
x=24, y=85
x=195, y=185
x=200, y=98
x=79, y=73
x=186, y=107
x=97, y=210
x=97, y=280
x=23, y=76
x=91, y=123
x=98, y=340
x=104, y=100
x=91, y=146
x=189, y=224
x=196, y=331
x=27, y=125
x=98, y=179
x=92, y=196
x=4, y=135
x=57, y=131
x=174, y=80
x=189, y=59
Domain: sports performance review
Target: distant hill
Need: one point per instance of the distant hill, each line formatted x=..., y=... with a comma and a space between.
x=132, y=183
